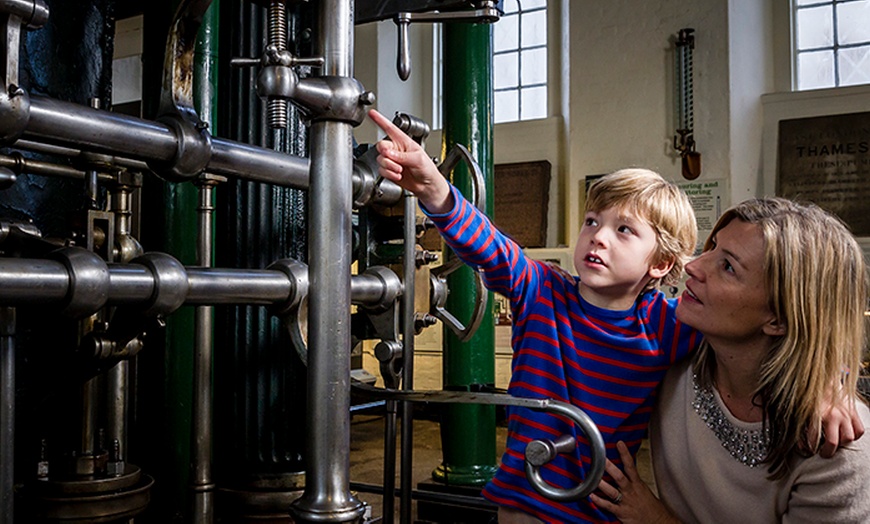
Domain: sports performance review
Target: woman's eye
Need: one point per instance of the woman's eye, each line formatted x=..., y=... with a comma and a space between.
x=727, y=266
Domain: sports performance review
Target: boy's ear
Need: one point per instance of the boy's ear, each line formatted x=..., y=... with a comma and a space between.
x=660, y=269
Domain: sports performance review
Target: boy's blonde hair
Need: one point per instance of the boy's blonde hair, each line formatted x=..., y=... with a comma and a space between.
x=661, y=204
x=816, y=280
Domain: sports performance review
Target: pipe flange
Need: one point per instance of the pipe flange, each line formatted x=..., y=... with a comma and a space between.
x=193, y=153
x=390, y=284
x=88, y=281
x=297, y=274
x=170, y=283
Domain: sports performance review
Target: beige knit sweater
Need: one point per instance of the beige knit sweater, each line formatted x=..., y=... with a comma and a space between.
x=700, y=480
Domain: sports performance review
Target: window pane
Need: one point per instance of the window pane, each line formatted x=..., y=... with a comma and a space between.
x=534, y=103
x=506, y=106
x=534, y=63
x=853, y=22
x=807, y=2
x=530, y=4
x=505, y=70
x=816, y=70
x=854, y=66
x=815, y=27
x=534, y=29
x=510, y=6
x=505, y=34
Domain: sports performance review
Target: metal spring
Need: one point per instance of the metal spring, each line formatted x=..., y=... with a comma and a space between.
x=277, y=109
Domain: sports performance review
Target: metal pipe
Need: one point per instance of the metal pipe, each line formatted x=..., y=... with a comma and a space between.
x=73, y=125
x=7, y=411
x=36, y=281
x=410, y=270
x=327, y=496
x=201, y=432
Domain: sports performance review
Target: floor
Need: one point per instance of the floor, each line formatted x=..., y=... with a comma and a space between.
x=367, y=433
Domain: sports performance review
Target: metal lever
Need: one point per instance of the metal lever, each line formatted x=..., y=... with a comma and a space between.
x=541, y=452
x=487, y=14
x=437, y=277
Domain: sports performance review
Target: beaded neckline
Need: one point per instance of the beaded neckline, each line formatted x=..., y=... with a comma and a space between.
x=748, y=447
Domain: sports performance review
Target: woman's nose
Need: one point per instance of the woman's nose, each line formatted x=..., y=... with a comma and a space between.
x=694, y=268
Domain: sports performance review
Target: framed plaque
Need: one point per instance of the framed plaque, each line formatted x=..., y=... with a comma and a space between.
x=522, y=197
x=826, y=160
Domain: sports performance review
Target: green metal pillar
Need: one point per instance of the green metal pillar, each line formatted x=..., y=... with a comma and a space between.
x=181, y=201
x=468, y=431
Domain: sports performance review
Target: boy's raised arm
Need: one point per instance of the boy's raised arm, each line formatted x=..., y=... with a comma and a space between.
x=406, y=163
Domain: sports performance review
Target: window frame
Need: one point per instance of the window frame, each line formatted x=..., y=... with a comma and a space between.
x=835, y=47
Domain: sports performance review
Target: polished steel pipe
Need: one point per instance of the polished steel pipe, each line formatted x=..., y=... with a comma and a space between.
x=408, y=315
x=72, y=125
x=37, y=281
x=203, y=358
x=327, y=496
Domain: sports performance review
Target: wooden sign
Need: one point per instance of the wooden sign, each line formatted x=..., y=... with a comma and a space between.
x=826, y=160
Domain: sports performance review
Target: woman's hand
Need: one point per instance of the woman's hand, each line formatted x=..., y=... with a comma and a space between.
x=631, y=499
x=406, y=163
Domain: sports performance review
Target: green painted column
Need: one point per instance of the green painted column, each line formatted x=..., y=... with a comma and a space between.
x=181, y=201
x=468, y=431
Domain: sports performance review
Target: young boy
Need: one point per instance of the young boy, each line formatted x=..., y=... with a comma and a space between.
x=602, y=343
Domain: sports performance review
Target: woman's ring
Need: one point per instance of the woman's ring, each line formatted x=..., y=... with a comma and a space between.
x=618, y=498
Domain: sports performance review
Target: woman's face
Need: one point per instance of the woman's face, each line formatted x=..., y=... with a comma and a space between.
x=726, y=294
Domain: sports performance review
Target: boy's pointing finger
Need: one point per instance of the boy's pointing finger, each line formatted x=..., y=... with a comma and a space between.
x=395, y=134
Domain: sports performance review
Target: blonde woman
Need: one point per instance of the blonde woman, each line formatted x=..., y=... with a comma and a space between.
x=779, y=294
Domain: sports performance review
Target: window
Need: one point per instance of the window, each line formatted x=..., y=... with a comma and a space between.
x=831, y=42
x=520, y=61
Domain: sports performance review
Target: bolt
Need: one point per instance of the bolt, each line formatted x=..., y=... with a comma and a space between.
x=367, y=98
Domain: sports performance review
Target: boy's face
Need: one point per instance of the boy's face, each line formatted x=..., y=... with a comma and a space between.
x=614, y=257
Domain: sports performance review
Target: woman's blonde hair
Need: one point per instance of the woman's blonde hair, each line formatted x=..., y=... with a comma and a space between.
x=816, y=280
x=661, y=204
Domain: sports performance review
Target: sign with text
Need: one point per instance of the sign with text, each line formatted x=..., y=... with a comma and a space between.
x=706, y=197
x=826, y=160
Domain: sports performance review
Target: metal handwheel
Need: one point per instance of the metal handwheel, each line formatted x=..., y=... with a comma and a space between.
x=438, y=276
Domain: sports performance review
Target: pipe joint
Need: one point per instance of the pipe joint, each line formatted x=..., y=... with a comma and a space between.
x=170, y=283
x=297, y=274
x=193, y=151
x=33, y=13
x=88, y=281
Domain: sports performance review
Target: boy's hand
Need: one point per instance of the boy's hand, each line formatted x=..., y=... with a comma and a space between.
x=404, y=161
x=841, y=424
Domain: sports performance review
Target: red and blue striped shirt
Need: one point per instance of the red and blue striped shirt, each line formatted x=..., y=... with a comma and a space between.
x=607, y=363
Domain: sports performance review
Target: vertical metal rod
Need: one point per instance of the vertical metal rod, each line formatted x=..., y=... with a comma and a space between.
x=89, y=418
x=389, y=499
x=201, y=433
x=92, y=188
x=118, y=377
x=7, y=413
x=408, y=332
x=327, y=496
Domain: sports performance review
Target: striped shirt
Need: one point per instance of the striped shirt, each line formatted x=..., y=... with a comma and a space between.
x=607, y=363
